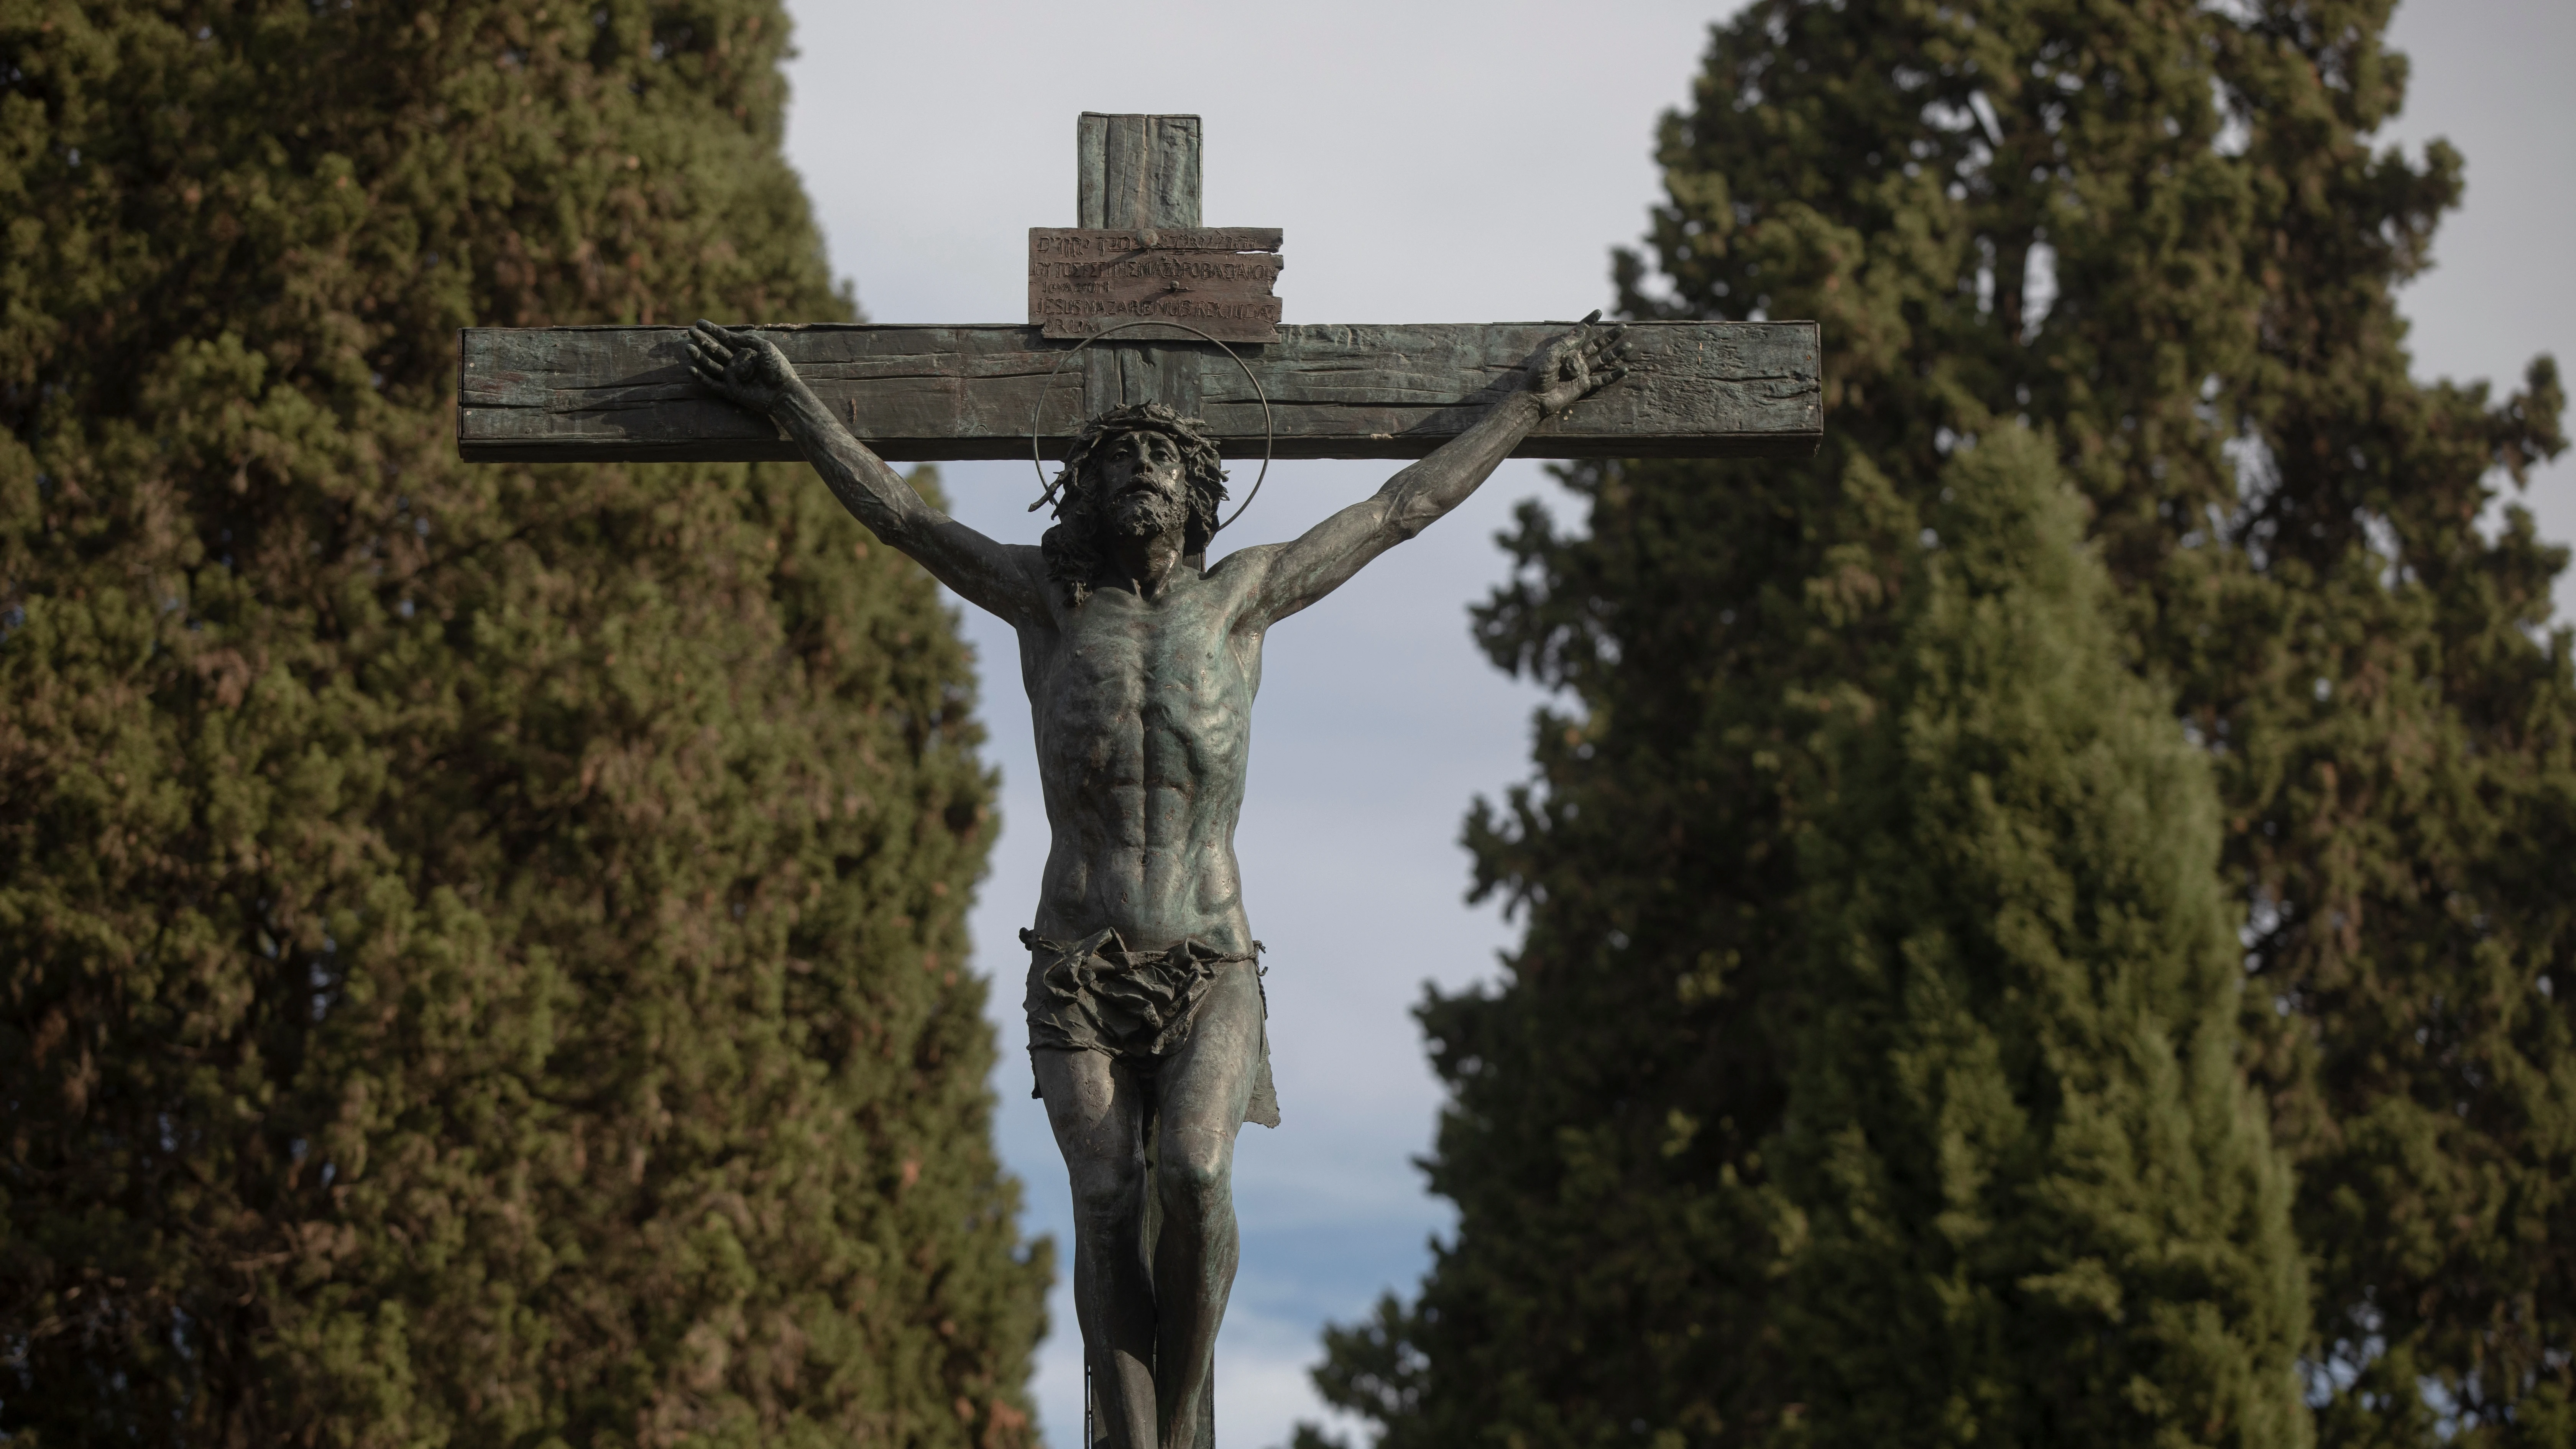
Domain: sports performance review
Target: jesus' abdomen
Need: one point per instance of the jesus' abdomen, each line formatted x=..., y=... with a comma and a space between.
x=1143, y=715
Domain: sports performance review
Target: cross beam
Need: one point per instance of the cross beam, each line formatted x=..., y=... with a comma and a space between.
x=624, y=394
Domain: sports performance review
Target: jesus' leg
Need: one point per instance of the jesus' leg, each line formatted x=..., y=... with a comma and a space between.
x=1205, y=1087
x=1097, y=1111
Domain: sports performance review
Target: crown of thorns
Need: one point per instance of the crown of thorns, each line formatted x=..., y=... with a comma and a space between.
x=1200, y=461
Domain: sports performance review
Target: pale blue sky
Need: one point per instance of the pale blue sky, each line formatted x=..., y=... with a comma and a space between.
x=1429, y=162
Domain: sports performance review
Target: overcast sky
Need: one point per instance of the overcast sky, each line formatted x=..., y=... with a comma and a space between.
x=1429, y=163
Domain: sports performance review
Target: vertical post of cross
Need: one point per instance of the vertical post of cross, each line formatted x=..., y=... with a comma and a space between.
x=1136, y=171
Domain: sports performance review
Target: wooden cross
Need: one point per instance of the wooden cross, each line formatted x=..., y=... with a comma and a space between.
x=624, y=394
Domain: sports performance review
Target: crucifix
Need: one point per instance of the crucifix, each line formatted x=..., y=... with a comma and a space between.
x=1154, y=350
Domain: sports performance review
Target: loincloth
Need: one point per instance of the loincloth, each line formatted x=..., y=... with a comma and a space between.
x=1136, y=1007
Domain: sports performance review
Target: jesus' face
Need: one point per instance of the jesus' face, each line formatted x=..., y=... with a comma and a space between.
x=1143, y=491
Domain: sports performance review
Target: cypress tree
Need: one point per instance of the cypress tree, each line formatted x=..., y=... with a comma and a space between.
x=483, y=945
x=2158, y=233
x=2027, y=1198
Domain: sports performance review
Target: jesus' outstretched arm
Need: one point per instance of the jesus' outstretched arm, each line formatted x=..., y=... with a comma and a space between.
x=1564, y=370
x=749, y=371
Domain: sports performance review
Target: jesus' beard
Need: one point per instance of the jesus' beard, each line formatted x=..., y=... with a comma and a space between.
x=1145, y=513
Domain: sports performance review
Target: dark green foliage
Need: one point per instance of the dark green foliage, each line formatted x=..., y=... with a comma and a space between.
x=482, y=945
x=2288, y=523
x=2025, y=1196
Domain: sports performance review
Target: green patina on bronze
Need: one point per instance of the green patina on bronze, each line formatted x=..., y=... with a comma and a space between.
x=1141, y=660
x=1141, y=667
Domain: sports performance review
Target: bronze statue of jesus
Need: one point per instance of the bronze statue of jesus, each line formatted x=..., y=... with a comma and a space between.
x=1144, y=1000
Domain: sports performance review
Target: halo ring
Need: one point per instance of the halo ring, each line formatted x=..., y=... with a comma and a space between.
x=1037, y=415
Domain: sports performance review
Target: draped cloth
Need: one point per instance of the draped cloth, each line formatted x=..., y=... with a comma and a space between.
x=1136, y=1007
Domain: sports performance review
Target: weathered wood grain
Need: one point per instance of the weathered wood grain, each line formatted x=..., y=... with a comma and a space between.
x=603, y=394
x=1137, y=170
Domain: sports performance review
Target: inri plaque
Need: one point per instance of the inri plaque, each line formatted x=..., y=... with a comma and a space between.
x=1085, y=280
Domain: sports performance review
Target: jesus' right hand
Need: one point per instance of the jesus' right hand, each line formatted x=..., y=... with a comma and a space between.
x=745, y=368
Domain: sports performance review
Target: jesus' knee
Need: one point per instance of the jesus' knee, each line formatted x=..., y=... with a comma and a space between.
x=1194, y=1174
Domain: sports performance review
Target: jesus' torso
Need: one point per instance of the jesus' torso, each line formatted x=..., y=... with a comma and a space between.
x=1143, y=715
